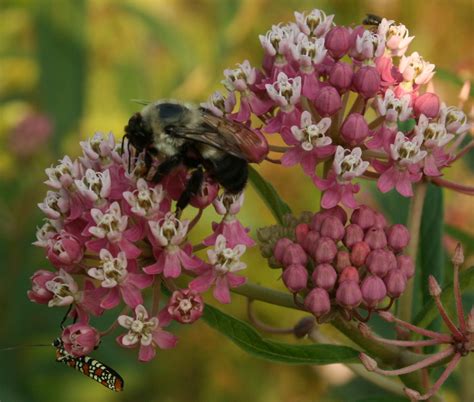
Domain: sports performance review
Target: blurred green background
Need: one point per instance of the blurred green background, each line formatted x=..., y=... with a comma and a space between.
x=79, y=63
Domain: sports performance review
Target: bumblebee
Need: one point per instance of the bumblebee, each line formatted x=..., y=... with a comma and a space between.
x=183, y=134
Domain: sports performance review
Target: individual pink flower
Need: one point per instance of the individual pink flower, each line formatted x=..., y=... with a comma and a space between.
x=63, y=174
x=235, y=233
x=116, y=275
x=100, y=151
x=146, y=201
x=392, y=108
x=338, y=41
x=168, y=236
x=145, y=332
x=403, y=168
x=80, y=339
x=224, y=261
x=47, y=232
x=337, y=187
x=277, y=41
x=285, y=91
x=39, y=293
x=56, y=204
x=310, y=144
x=396, y=37
x=219, y=104
x=185, y=306
x=65, y=250
x=415, y=70
x=368, y=46
x=314, y=24
x=242, y=79
x=454, y=119
x=95, y=187
x=110, y=228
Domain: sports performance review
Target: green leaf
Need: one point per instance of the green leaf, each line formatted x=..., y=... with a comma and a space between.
x=247, y=338
x=407, y=125
x=451, y=77
x=466, y=239
x=383, y=398
x=430, y=312
x=393, y=204
x=267, y=192
x=431, y=258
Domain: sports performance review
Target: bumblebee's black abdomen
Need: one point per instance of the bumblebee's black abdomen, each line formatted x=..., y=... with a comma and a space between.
x=231, y=173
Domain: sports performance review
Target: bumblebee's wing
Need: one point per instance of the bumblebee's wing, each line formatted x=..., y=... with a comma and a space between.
x=227, y=135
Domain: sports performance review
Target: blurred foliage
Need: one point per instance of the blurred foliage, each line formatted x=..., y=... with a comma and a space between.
x=80, y=63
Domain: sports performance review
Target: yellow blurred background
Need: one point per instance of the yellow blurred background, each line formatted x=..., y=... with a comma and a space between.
x=81, y=63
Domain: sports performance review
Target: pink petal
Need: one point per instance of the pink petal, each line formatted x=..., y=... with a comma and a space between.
x=164, y=317
x=187, y=261
x=111, y=300
x=146, y=353
x=164, y=339
x=135, y=233
x=235, y=234
x=96, y=244
x=331, y=197
x=141, y=281
x=221, y=291
x=403, y=185
x=308, y=163
x=430, y=168
x=386, y=181
x=203, y=282
x=292, y=156
x=243, y=113
x=130, y=250
x=172, y=265
x=235, y=280
x=131, y=295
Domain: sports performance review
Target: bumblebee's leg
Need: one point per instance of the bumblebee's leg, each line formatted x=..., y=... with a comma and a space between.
x=192, y=187
x=166, y=166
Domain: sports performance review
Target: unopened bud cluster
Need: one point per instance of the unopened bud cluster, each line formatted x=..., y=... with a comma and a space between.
x=332, y=261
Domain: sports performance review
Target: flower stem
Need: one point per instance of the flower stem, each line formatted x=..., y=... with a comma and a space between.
x=263, y=326
x=414, y=223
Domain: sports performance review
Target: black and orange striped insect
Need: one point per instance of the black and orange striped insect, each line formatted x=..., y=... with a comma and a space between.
x=90, y=367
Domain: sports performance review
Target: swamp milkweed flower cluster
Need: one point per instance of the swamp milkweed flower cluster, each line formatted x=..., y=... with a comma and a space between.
x=348, y=103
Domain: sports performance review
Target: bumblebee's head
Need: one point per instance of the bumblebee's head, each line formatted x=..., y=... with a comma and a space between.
x=137, y=133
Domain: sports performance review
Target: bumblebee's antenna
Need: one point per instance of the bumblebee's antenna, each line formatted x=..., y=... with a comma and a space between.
x=24, y=346
x=65, y=316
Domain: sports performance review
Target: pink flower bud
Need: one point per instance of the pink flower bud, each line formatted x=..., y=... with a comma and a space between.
x=325, y=250
x=339, y=213
x=319, y=217
x=295, y=277
x=310, y=241
x=301, y=231
x=280, y=248
x=375, y=238
x=340, y=76
x=405, y=263
x=458, y=257
x=349, y=274
x=294, y=254
x=373, y=290
x=317, y=302
x=398, y=237
x=433, y=286
x=39, y=293
x=332, y=228
x=427, y=104
x=359, y=253
x=185, y=306
x=364, y=217
x=327, y=101
x=396, y=282
x=381, y=261
x=324, y=276
x=206, y=196
x=354, y=129
x=343, y=260
x=80, y=339
x=354, y=234
x=65, y=250
x=380, y=221
x=366, y=81
x=349, y=294
x=338, y=41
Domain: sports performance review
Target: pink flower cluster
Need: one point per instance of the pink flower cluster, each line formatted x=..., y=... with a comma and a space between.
x=331, y=262
x=337, y=95
x=113, y=239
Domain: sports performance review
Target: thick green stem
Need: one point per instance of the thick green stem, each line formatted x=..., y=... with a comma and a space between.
x=414, y=223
